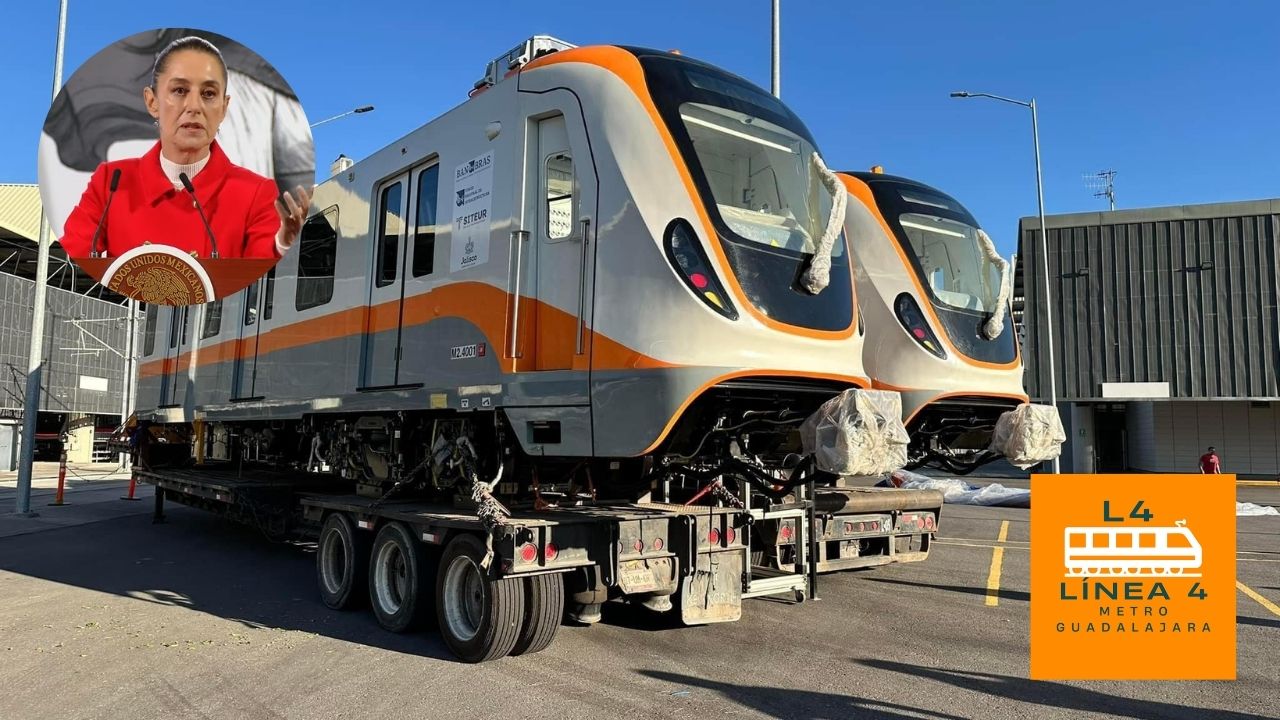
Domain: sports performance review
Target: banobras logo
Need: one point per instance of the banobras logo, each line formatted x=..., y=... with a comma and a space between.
x=1133, y=577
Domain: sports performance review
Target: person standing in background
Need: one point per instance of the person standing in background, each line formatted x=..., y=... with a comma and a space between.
x=1210, y=464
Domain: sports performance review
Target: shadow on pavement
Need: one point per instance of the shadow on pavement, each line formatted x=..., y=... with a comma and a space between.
x=797, y=704
x=1260, y=622
x=1002, y=593
x=204, y=563
x=1056, y=694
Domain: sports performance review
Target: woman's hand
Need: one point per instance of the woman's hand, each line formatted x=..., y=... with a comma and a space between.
x=293, y=213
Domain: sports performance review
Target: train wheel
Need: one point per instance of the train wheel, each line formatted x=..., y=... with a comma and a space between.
x=398, y=582
x=543, y=609
x=1091, y=571
x=342, y=563
x=480, y=617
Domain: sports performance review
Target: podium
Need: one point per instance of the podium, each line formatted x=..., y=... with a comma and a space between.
x=165, y=275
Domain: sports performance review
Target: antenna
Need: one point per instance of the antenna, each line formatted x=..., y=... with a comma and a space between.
x=1103, y=185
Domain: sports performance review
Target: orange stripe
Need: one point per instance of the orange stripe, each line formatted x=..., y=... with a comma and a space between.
x=854, y=380
x=862, y=191
x=627, y=67
x=482, y=304
x=961, y=393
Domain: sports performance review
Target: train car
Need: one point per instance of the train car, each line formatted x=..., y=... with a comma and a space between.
x=1094, y=551
x=584, y=283
x=928, y=290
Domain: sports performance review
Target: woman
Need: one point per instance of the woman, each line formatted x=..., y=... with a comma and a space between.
x=151, y=203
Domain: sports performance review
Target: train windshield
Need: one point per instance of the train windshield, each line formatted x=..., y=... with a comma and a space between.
x=950, y=254
x=751, y=159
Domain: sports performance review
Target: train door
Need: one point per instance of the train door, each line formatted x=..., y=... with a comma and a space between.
x=179, y=335
x=561, y=203
x=381, y=353
x=259, y=299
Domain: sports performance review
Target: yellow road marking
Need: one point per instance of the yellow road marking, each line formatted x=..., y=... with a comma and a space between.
x=993, y=578
x=1261, y=600
x=1004, y=532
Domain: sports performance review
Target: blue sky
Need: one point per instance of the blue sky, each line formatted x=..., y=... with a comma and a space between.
x=1179, y=98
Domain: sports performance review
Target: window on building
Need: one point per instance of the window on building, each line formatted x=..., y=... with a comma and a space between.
x=317, y=260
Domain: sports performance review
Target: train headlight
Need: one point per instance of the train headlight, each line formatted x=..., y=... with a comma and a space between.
x=686, y=256
x=912, y=319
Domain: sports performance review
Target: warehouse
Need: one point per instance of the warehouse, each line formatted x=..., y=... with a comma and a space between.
x=83, y=380
x=1166, y=335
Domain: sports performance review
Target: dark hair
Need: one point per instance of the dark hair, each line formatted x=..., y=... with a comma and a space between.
x=190, y=42
x=1210, y=448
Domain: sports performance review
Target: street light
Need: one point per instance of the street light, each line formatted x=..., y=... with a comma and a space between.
x=1044, y=241
x=361, y=109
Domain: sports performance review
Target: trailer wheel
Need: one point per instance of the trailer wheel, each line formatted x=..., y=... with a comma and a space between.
x=480, y=617
x=543, y=609
x=398, y=579
x=342, y=563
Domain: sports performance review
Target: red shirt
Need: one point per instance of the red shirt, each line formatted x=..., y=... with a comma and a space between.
x=1209, y=463
x=239, y=204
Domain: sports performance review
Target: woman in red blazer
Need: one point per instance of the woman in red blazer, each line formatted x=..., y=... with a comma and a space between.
x=151, y=203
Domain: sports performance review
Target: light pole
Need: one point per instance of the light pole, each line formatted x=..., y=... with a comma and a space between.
x=775, y=62
x=1044, y=238
x=361, y=109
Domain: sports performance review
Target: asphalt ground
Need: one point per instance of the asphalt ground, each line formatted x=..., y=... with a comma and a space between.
x=110, y=616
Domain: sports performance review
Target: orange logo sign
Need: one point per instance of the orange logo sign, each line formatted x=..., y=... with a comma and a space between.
x=1133, y=577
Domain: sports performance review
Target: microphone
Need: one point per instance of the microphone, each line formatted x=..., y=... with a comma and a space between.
x=186, y=183
x=115, y=183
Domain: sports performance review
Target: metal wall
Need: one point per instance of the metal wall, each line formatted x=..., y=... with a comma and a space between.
x=84, y=349
x=1183, y=295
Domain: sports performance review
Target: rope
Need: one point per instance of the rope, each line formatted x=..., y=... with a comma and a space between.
x=818, y=274
x=995, y=324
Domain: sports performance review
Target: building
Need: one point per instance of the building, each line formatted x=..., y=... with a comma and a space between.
x=85, y=346
x=1166, y=335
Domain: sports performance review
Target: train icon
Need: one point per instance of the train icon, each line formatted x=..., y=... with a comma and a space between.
x=1131, y=552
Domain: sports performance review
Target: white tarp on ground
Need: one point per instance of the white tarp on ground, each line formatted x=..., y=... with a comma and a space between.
x=1029, y=434
x=858, y=432
x=959, y=492
x=1252, y=509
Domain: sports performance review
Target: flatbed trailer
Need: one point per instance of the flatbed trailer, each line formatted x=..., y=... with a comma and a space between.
x=501, y=584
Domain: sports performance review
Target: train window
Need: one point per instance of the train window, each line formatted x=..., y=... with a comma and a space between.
x=1124, y=541
x=390, y=227
x=317, y=259
x=1147, y=540
x=175, y=322
x=1100, y=540
x=149, y=335
x=1077, y=540
x=251, y=304
x=269, y=295
x=950, y=253
x=424, y=232
x=559, y=187
x=212, y=319
x=1177, y=541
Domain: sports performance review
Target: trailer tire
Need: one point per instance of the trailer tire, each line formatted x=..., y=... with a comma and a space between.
x=543, y=609
x=342, y=563
x=399, y=579
x=480, y=616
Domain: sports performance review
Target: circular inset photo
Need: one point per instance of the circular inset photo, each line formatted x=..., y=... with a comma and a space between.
x=176, y=167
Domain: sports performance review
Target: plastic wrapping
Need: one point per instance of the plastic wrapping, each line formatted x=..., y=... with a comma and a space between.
x=858, y=432
x=959, y=492
x=1029, y=434
x=1244, y=508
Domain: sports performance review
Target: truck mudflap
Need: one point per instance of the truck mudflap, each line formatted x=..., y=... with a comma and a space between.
x=712, y=593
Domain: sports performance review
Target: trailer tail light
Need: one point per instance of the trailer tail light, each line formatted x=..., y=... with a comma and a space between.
x=713, y=537
x=730, y=535
x=657, y=544
x=917, y=327
x=690, y=263
x=550, y=552
x=528, y=552
x=928, y=522
x=785, y=533
x=638, y=546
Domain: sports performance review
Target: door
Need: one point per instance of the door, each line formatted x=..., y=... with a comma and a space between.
x=560, y=204
x=259, y=301
x=381, y=353
x=1111, y=431
x=171, y=391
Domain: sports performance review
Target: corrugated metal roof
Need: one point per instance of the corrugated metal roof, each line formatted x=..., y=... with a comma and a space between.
x=20, y=210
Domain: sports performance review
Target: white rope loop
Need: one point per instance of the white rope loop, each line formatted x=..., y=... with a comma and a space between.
x=818, y=275
x=995, y=324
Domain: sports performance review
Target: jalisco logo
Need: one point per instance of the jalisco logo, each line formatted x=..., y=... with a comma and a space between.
x=1131, y=573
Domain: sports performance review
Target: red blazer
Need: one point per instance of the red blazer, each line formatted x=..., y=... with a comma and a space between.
x=239, y=204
